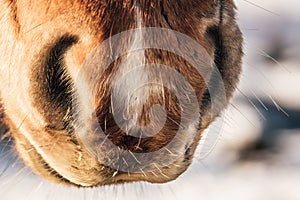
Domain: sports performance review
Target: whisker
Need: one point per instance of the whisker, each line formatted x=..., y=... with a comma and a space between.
x=258, y=6
x=144, y=174
x=242, y=115
x=22, y=122
x=7, y=134
x=135, y=158
x=8, y=154
x=5, y=169
x=251, y=102
x=260, y=101
x=265, y=54
x=171, y=153
x=35, y=190
x=14, y=177
x=279, y=108
x=154, y=174
x=50, y=20
x=160, y=171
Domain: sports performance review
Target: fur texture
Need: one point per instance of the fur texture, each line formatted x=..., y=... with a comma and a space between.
x=44, y=44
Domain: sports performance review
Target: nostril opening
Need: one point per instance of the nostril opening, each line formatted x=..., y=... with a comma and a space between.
x=52, y=85
x=187, y=154
x=57, y=82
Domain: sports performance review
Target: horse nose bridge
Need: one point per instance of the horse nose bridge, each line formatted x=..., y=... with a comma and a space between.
x=134, y=82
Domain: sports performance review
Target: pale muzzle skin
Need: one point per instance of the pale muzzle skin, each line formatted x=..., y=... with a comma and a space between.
x=79, y=122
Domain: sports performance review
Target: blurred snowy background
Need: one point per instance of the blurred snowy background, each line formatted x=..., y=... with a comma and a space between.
x=258, y=152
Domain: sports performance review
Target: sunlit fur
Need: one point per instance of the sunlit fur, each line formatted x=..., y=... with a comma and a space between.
x=33, y=32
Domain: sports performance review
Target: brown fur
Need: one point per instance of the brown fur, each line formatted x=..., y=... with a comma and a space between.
x=53, y=149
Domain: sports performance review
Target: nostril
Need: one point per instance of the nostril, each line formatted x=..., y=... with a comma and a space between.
x=187, y=154
x=52, y=85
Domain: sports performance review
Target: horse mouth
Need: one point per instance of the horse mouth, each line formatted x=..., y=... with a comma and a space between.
x=90, y=176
